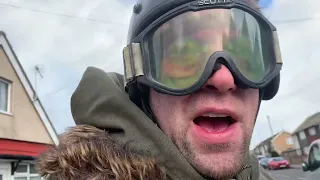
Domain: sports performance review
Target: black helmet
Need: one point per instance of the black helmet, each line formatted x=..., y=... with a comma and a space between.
x=145, y=12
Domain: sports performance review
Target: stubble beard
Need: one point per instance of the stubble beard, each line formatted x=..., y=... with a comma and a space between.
x=225, y=168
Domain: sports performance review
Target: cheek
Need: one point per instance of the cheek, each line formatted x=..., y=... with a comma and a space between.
x=252, y=103
x=167, y=109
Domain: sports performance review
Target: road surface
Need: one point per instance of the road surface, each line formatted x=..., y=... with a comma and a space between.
x=288, y=174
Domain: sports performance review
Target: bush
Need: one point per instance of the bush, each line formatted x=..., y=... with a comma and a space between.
x=274, y=154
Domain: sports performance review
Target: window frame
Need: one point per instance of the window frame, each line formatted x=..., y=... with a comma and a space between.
x=299, y=152
x=289, y=141
x=304, y=135
x=313, y=129
x=9, y=83
x=25, y=174
x=306, y=150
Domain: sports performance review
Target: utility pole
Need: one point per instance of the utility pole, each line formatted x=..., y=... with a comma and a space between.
x=38, y=71
x=270, y=126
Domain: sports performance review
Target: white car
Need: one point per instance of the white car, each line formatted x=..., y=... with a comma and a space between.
x=313, y=162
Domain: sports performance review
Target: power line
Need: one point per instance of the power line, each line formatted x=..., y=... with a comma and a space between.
x=297, y=90
x=288, y=21
x=62, y=15
x=60, y=89
x=116, y=23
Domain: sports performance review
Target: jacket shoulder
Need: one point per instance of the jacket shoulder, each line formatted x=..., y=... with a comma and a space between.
x=264, y=174
x=258, y=172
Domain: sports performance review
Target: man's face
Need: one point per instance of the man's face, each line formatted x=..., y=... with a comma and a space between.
x=215, y=146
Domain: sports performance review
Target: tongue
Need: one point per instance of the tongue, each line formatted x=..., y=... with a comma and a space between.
x=213, y=125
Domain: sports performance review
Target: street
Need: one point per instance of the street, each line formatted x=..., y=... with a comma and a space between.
x=288, y=174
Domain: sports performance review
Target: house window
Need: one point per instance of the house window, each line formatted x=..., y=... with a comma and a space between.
x=302, y=135
x=26, y=172
x=299, y=153
x=266, y=147
x=296, y=142
x=261, y=149
x=289, y=141
x=306, y=150
x=4, y=96
x=22, y=168
x=312, y=131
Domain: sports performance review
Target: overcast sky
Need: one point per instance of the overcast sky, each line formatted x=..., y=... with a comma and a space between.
x=64, y=37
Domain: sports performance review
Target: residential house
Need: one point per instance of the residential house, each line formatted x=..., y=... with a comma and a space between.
x=265, y=147
x=282, y=142
x=279, y=143
x=25, y=129
x=307, y=132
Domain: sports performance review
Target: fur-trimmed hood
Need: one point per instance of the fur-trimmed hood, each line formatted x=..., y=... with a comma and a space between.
x=88, y=153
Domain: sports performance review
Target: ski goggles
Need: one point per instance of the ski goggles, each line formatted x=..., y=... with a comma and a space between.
x=177, y=53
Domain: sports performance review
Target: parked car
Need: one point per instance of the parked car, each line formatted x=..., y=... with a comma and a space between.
x=278, y=163
x=264, y=162
x=312, y=166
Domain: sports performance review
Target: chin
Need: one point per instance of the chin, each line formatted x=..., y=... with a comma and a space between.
x=218, y=161
x=214, y=157
x=220, y=165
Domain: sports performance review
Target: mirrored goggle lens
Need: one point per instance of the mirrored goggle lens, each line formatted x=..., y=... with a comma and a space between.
x=182, y=46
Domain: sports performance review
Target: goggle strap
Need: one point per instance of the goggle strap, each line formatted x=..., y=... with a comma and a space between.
x=132, y=60
x=277, y=47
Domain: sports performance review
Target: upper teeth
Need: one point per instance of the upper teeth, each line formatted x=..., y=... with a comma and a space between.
x=214, y=115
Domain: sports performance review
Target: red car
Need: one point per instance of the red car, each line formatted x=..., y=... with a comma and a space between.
x=278, y=163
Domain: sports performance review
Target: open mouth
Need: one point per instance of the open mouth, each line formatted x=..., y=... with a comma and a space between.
x=212, y=123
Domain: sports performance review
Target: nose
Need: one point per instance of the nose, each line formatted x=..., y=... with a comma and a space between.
x=221, y=80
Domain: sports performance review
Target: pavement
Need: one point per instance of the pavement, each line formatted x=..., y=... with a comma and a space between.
x=294, y=173
x=296, y=166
